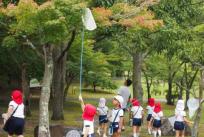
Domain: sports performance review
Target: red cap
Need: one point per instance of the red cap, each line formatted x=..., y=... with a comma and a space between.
x=17, y=96
x=135, y=102
x=157, y=108
x=89, y=112
x=151, y=102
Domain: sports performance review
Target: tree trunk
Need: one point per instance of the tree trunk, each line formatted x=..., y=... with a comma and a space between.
x=181, y=90
x=148, y=84
x=199, y=111
x=26, y=90
x=69, y=78
x=45, y=93
x=58, y=84
x=137, y=78
x=94, y=86
x=169, y=94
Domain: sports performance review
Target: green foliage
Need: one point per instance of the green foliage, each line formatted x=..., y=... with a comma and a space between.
x=9, y=42
x=103, y=3
x=96, y=69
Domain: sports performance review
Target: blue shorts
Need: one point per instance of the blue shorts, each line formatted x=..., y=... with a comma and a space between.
x=179, y=125
x=16, y=126
x=149, y=117
x=103, y=119
x=137, y=122
x=115, y=127
x=157, y=123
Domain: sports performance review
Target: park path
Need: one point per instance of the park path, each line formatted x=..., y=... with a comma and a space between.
x=108, y=99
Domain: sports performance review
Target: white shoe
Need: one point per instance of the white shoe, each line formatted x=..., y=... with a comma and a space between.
x=149, y=131
x=104, y=135
x=154, y=134
x=123, y=128
x=98, y=131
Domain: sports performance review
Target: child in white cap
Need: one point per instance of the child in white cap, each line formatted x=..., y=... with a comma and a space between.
x=180, y=119
x=117, y=116
x=102, y=111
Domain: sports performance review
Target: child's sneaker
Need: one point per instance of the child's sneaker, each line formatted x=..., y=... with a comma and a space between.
x=149, y=131
x=123, y=128
x=104, y=135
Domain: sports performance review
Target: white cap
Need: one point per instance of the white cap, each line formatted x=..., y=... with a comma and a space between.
x=119, y=98
x=180, y=105
x=102, y=102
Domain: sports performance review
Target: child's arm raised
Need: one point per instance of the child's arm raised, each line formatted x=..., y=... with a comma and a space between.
x=82, y=102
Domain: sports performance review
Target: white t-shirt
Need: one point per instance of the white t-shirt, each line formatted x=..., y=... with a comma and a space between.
x=102, y=110
x=157, y=116
x=137, y=111
x=125, y=93
x=179, y=116
x=20, y=110
x=114, y=113
x=90, y=125
x=150, y=109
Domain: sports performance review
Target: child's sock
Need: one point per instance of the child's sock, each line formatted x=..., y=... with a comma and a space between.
x=159, y=132
x=134, y=134
x=104, y=135
x=149, y=131
x=99, y=132
x=154, y=133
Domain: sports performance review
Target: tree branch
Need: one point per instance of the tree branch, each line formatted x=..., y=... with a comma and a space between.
x=196, y=3
x=142, y=6
x=193, y=78
x=28, y=42
x=179, y=85
x=202, y=101
x=68, y=45
x=174, y=73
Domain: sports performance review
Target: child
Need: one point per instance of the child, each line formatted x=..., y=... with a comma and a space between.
x=156, y=118
x=103, y=120
x=180, y=118
x=117, y=116
x=15, y=118
x=150, y=109
x=137, y=115
x=89, y=112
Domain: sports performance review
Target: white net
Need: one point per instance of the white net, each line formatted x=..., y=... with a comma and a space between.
x=193, y=105
x=88, y=20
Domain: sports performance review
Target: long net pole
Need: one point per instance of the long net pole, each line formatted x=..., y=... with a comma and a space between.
x=81, y=61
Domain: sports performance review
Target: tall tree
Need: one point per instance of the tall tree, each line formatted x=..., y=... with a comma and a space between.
x=60, y=56
x=134, y=25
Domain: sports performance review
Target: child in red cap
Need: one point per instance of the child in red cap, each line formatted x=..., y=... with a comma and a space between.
x=156, y=118
x=15, y=116
x=137, y=116
x=150, y=109
x=89, y=112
